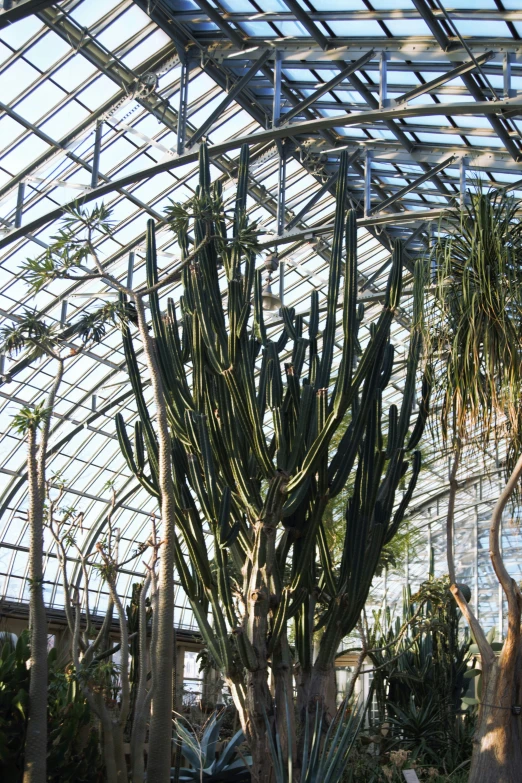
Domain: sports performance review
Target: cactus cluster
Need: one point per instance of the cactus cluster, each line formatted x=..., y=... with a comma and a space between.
x=252, y=418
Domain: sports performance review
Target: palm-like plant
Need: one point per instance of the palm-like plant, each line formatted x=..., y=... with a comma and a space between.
x=477, y=319
x=476, y=337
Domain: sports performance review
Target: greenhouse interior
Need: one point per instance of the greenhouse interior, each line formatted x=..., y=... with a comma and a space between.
x=261, y=391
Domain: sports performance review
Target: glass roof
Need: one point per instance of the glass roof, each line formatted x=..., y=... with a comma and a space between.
x=132, y=70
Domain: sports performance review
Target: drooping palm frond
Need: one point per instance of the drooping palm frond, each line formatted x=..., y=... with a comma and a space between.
x=475, y=328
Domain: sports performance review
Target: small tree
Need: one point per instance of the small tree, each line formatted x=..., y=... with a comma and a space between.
x=37, y=339
x=476, y=350
x=67, y=257
x=108, y=690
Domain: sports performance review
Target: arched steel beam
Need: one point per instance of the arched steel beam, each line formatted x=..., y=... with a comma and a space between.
x=512, y=105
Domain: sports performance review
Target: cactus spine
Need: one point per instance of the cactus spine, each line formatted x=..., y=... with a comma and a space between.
x=251, y=418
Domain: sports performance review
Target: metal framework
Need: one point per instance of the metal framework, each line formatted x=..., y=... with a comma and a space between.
x=110, y=102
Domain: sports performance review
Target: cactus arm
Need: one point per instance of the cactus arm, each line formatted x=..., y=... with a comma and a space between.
x=334, y=275
x=403, y=505
x=424, y=409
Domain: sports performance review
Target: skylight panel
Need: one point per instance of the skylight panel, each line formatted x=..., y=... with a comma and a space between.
x=124, y=27
x=18, y=33
x=9, y=131
x=147, y=48
x=90, y=11
x=402, y=28
x=22, y=154
x=482, y=28
x=16, y=79
x=357, y=29
x=74, y=72
x=47, y=51
x=98, y=92
x=258, y=29
x=40, y=101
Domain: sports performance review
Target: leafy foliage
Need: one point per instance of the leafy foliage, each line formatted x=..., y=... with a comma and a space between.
x=29, y=332
x=420, y=678
x=30, y=418
x=69, y=249
x=73, y=742
x=476, y=324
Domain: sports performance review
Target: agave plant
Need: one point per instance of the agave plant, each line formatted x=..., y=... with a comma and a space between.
x=207, y=765
x=325, y=750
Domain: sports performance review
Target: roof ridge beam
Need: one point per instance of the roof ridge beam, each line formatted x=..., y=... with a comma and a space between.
x=261, y=137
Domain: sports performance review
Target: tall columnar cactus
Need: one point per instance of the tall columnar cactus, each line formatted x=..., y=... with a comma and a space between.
x=252, y=417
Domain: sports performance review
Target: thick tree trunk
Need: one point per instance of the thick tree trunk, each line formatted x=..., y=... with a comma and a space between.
x=497, y=744
x=284, y=701
x=258, y=705
x=36, y=737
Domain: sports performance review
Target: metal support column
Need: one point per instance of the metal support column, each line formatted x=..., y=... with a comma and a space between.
x=475, y=566
x=368, y=183
x=383, y=81
x=500, y=590
x=506, y=71
x=19, y=205
x=464, y=162
x=276, y=106
x=281, y=198
x=96, y=155
x=182, y=110
x=429, y=549
x=63, y=313
x=130, y=269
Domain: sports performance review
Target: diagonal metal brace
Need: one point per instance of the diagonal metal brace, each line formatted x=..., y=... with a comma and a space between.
x=434, y=84
x=412, y=185
x=324, y=88
x=231, y=96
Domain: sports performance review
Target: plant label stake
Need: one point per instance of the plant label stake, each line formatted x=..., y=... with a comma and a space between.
x=410, y=776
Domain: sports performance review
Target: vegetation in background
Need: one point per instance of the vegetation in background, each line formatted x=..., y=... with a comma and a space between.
x=475, y=335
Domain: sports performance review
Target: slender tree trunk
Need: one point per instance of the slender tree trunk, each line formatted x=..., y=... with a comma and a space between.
x=497, y=743
x=36, y=737
x=35, y=758
x=160, y=732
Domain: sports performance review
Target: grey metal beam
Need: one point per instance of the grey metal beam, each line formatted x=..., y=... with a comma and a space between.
x=438, y=33
x=330, y=85
x=411, y=186
x=302, y=16
x=19, y=9
x=476, y=92
x=408, y=49
x=261, y=137
x=96, y=154
x=330, y=182
x=347, y=15
x=307, y=234
x=219, y=20
x=238, y=87
x=434, y=84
